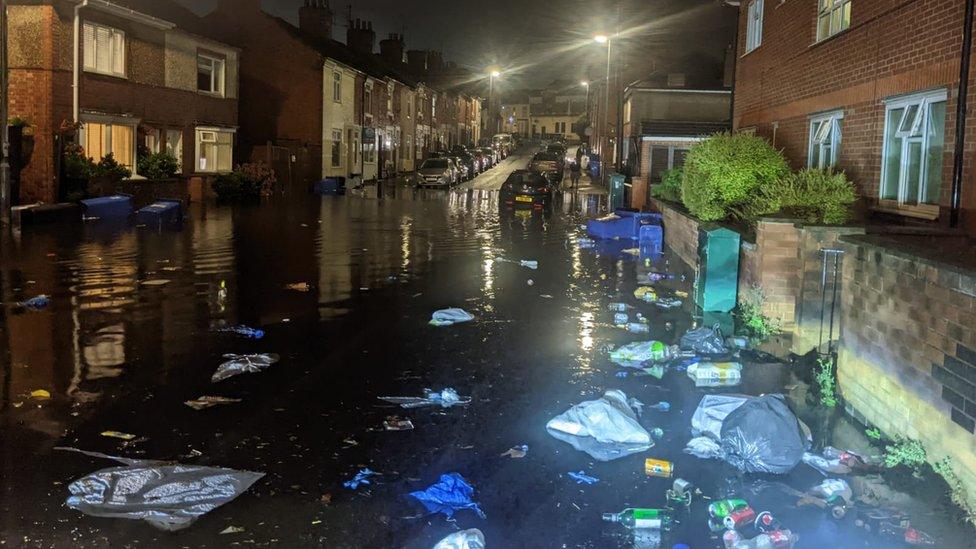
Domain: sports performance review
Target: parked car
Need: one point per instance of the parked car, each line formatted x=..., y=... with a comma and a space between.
x=438, y=171
x=467, y=159
x=549, y=165
x=464, y=169
x=480, y=158
x=492, y=155
x=559, y=149
x=526, y=188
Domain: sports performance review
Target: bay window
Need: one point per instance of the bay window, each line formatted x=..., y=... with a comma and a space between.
x=99, y=139
x=824, y=142
x=215, y=150
x=914, y=142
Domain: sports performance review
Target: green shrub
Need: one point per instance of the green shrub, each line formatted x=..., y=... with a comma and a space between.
x=159, y=165
x=816, y=196
x=669, y=188
x=753, y=321
x=246, y=182
x=109, y=168
x=906, y=452
x=724, y=174
x=827, y=382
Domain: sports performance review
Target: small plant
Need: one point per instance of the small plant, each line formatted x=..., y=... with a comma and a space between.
x=957, y=492
x=825, y=379
x=247, y=182
x=18, y=122
x=159, y=165
x=815, y=196
x=723, y=176
x=907, y=452
x=109, y=168
x=873, y=434
x=669, y=188
x=756, y=324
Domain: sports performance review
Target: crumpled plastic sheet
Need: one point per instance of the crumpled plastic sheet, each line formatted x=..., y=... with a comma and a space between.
x=606, y=428
x=444, y=398
x=704, y=341
x=362, y=477
x=763, y=436
x=35, y=303
x=582, y=478
x=449, y=317
x=243, y=364
x=449, y=495
x=465, y=539
x=712, y=411
x=170, y=496
x=704, y=447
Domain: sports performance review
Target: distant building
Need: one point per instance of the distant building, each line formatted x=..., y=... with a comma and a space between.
x=148, y=81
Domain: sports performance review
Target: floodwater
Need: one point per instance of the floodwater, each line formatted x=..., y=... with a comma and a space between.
x=128, y=339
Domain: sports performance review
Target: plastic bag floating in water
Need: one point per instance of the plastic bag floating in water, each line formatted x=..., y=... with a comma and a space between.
x=243, y=364
x=466, y=539
x=449, y=317
x=449, y=495
x=170, y=496
x=606, y=428
x=444, y=398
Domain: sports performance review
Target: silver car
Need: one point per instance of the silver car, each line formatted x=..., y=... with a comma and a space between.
x=437, y=171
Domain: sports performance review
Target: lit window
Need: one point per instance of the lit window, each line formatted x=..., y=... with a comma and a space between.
x=914, y=143
x=336, y=148
x=824, y=142
x=104, y=50
x=833, y=17
x=101, y=139
x=215, y=150
x=210, y=74
x=368, y=100
x=337, y=87
x=754, y=25
x=174, y=146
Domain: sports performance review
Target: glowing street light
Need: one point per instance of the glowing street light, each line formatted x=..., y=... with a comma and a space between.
x=493, y=73
x=605, y=39
x=601, y=39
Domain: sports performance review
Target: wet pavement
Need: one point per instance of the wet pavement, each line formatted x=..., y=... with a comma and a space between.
x=128, y=338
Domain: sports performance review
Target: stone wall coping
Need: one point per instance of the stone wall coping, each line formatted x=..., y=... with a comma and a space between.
x=889, y=247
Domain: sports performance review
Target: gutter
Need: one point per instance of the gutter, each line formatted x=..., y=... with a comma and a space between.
x=961, y=106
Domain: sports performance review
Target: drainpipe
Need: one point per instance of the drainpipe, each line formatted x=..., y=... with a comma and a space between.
x=76, y=72
x=961, y=105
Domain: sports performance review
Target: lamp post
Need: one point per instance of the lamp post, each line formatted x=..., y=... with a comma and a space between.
x=492, y=75
x=605, y=39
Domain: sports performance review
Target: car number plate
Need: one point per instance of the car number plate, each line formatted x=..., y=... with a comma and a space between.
x=523, y=198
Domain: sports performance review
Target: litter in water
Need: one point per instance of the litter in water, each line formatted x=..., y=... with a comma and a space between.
x=517, y=452
x=40, y=393
x=362, y=477
x=449, y=317
x=298, y=287
x=397, y=423
x=449, y=495
x=35, y=303
x=606, y=428
x=466, y=539
x=245, y=331
x=444, y=398
x=582, y=478
x=243, y=364
x=204, y=402
x=118, y=435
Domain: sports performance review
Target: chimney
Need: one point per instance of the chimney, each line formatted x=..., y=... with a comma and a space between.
x=315, y=20
x=360, y=36
x=392, y=50
x=435, y=61
x=417, y=60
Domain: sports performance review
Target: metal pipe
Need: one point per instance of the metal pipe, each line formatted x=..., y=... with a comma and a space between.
x=833, y=303
x=75, y=67
x=961, y=106
x=606, y=115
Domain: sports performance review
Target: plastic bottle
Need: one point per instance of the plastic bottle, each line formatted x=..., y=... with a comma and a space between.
x=620, y=319
x=660, y=407
x=657, y=277
x=638, y=328
x=245, y=331
x=720, y=372
x=637, y=519
x=36, y=302
x=620, y=307
x=723, y=508
x=779, y=539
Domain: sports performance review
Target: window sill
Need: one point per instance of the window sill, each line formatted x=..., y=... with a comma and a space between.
x=929, y=212
x=829, y=38
x=108, y=74
x=216, y=95
x=746, y=54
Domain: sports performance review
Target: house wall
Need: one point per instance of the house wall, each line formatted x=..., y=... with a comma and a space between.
x=677, y=105
x=181, y=62
x=407, y=117
x=538, y=122
x=893, y=47
x=339, y=116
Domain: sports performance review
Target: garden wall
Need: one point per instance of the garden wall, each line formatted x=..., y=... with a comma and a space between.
x=907, y=359
x=144, y=191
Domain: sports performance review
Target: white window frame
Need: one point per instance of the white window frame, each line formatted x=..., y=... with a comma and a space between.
x=218, y=73
x=908, y=131
x=116, y=45
x=836, y=14
x=337, y=86
x=198, y=133
x=754, y=25
x=822, y=127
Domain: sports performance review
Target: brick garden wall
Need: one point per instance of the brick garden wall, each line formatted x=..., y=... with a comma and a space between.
x=680, y=232
x=771, y=263
x=907, y=359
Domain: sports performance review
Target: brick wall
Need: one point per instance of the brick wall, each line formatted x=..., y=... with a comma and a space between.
x=772, y=263
x=680, y=232
x=893, y=47
x=907, y=362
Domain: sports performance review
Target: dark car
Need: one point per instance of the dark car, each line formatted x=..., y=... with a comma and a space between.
x=548, y=164
x=492, y=155
x=525, y=188
x=469, y=162
x=464, y=168
x=480, y=159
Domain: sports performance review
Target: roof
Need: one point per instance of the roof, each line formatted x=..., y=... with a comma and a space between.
x=668, y=128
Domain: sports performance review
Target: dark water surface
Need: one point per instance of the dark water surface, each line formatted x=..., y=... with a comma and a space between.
x=120, y=350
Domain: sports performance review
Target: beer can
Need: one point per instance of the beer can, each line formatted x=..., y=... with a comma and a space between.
x=740, y=518
x=658, y=468
x=765, y=522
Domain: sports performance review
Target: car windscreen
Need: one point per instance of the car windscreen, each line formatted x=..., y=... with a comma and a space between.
x=530, y=179
x=434, y=164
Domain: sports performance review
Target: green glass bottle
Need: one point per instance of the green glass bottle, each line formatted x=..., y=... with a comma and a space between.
x=638, y=519
x=721, y=509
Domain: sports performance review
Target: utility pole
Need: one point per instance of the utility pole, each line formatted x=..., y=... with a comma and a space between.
x=5, y=198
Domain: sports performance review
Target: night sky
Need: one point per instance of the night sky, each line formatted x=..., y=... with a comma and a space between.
x=543, y=39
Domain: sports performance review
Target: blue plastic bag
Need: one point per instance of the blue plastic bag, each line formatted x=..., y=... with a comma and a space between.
x=449, y=317
x=451, y=494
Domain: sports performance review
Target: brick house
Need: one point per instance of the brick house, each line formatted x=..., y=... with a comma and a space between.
x=146, y=82
x=870, y=87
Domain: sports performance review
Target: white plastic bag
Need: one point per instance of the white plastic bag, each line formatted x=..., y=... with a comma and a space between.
x=243, y=364
x=465, y=539
x=449, y=317
x=606, y=428
x=711, y=412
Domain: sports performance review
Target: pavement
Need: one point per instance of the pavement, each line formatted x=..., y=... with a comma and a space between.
x=344, y=287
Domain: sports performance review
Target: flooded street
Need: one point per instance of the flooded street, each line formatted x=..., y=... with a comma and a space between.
x=130, y=336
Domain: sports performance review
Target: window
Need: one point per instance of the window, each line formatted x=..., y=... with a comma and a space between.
x=825, y=137
x=914, y=142
x=337, y=87
x=369, y=145
x=336, y=148
x=754, y=25
x=151, y=140
x=104, y=50
x=433, y=107
x=368, y=99
x=174, y=146
x=665, y=158
x=833, y=17
x=389, y=98
x=210, y=74
x=101, y=139
x=215, y=150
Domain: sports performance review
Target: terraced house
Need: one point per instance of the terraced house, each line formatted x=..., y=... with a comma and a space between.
x=119, y=77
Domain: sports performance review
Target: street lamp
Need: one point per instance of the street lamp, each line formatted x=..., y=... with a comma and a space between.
x=604, y=39
x=493, y=73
